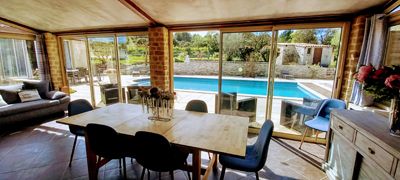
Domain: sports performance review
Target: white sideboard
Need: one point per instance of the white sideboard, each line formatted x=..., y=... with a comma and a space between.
x=360, y=147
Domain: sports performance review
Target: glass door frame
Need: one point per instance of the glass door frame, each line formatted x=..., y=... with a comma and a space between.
x=86, y=39
x=271, y=55
x=337, y=85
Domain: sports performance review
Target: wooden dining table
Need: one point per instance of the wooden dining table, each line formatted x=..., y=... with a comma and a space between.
x=192, y=131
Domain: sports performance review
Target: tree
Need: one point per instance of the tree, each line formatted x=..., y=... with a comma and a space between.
x=325, y=35
x=182, y=37
x=335, y=42
x=102, y=51
x=138, y=43
x=285, y=36
x=304, y=36
x=212, y=43
x=232, y=43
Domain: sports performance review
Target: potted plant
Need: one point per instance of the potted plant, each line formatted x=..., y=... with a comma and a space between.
x=383, y=84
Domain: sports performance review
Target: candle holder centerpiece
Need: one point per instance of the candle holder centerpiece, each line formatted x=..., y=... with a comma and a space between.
x=158, y=103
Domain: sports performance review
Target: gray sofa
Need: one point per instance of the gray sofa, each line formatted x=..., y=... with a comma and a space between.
x=16, y=112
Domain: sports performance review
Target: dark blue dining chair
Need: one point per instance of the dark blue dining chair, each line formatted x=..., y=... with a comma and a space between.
x=256, y=154
x=77, y=107
x=197, y=105
x=154, y=152
x=106, y=143
x=321, y=121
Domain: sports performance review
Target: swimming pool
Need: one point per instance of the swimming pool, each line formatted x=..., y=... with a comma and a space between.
x=241, y=86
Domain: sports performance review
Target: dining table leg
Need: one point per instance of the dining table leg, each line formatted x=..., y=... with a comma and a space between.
x=196, y=160
x=91, y=161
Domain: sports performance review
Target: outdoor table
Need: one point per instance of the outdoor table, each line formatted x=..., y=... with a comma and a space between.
x=194, y=131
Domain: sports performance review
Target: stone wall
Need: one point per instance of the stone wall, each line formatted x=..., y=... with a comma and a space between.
x=204, y=67
x=56, y=71
x=159, y=57
x=352, y=56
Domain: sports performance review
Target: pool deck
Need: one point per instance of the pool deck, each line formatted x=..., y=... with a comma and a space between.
x=320, y=87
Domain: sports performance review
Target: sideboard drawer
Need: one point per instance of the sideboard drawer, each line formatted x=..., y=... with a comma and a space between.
x=344, y=129
x=397, y=175
x=375, y=152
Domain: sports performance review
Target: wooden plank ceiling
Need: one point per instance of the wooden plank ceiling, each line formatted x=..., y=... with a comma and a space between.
x=64, y=15
x=206, y=11
x=69, y=15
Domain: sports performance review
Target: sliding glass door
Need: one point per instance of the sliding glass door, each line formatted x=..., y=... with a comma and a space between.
x=103, y=64
x=244, y=75
x=101, y=67
x=305, y=69
x=77, y=68
x=279, y=74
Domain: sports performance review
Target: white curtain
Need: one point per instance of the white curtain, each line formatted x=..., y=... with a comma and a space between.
x=372, y=52
x=14, y=59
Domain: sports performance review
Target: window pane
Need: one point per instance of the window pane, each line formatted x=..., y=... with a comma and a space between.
x=17, y=61
x=393, y=51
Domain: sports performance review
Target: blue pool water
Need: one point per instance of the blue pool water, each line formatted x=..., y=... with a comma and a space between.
x=252, y=87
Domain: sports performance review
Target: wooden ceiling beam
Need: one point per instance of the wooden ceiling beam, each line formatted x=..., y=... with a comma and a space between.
x=139, y=11
x=19, y=26
x=258, y=22
x=101, y=31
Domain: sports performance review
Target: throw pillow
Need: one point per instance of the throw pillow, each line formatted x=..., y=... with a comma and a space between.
x=2, y=102
x=55, y=95
x=29, y=95
x=41, y=86
x=9, y=96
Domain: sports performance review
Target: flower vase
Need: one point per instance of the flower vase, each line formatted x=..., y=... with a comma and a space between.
x=394, y=115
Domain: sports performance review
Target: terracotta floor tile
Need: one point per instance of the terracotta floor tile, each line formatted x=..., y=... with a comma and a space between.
x=43, y=151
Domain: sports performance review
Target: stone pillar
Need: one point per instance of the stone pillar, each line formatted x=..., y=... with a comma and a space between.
x=55, y=63
x=353, y=55
x=159, y=57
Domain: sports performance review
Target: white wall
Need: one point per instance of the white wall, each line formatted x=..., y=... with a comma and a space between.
x=327, y=55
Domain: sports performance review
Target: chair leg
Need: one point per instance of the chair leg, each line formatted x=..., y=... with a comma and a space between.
x=159, y=175
x=148, y=174
x=257, y=178
x=124, y=165
x=73, y=150
x=222, y=173
x=119, y=163
x=302, y=139
x=143, y=172
x=316, y=135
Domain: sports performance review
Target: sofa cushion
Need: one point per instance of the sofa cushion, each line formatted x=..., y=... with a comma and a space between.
x=26, y=106
x=41, y=86
x=10, y=96
x=29, y=95
x=2, y=102
x=55, y=95
x=65, y=99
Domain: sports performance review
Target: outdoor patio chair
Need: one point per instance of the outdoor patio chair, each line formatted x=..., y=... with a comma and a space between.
x=77, y=107
x=244, y=107
x=308, y=109
x=286, y=74
x=109, y=93
x=133, y=93
x=83, y=73
x=256, y=154
x=321, y=121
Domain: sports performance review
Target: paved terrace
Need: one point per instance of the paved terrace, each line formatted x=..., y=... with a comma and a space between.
x=321, y=88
